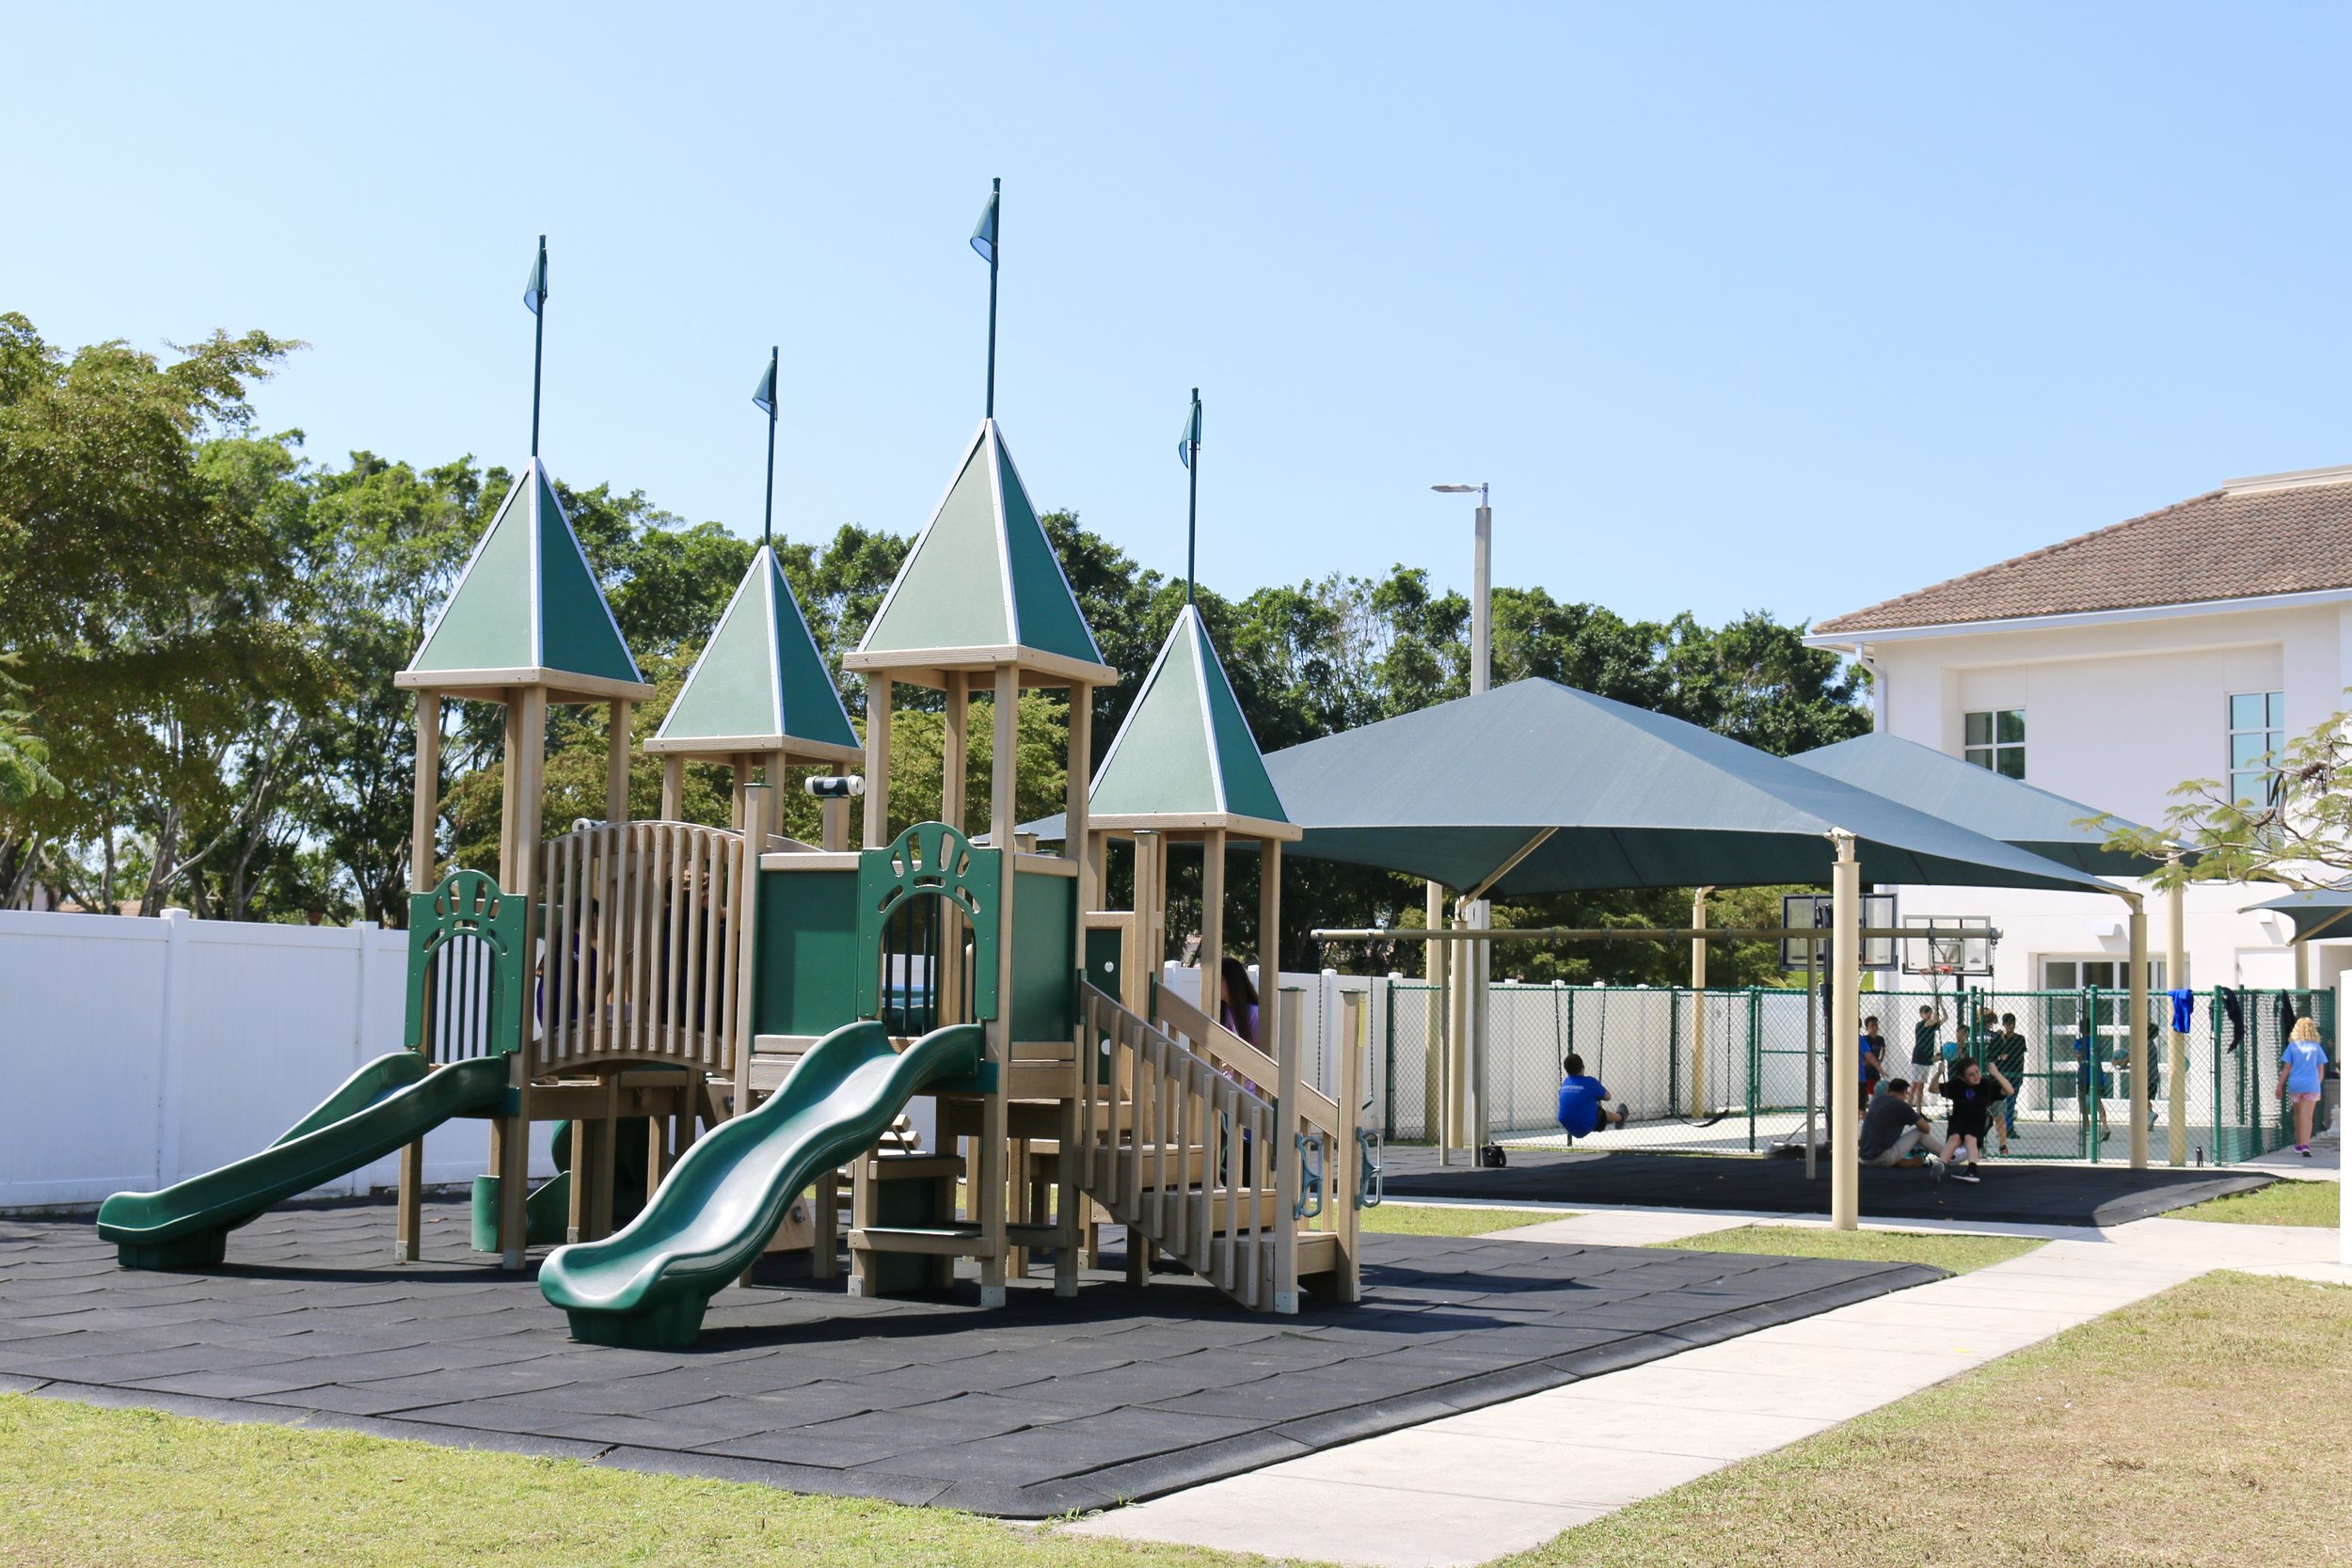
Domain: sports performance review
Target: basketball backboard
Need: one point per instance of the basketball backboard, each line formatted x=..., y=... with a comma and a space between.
x=1801, y=909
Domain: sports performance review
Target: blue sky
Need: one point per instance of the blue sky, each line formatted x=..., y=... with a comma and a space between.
x=1790, y=308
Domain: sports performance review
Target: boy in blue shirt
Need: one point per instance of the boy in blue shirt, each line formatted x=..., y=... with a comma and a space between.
x=1584, y=1102
x=2302, y=1077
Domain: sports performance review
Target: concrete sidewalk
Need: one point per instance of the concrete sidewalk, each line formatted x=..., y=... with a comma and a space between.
x=1476, y=1486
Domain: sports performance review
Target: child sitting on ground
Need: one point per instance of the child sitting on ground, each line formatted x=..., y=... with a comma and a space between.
x=1584, y=1101
x=1971, y=1116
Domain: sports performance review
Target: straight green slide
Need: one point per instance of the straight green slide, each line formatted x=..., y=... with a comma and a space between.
x=647, y=1285
x=393, y=1101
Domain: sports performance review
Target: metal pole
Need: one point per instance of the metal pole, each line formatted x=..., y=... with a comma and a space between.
x=1481, y=1008
x=1812, y=1077
x=2139, y=925
x=767, y=522
x=995, y=249
x=1698, y=1005
x=1844, y=1066
x=1192, y=509
x=538, y=344
x=1481, y=597
x=1439, y=970
x=2176, y=1056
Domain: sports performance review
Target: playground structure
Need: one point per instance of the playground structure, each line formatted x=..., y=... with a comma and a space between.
x=722, y=1018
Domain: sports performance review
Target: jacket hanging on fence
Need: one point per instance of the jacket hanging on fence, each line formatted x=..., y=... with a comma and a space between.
x=2234, y=1006
x=2183, y=1011
x=2286, y=1015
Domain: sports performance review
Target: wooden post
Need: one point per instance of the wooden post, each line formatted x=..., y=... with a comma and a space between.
x=835, y=816
x=673, y=788
x=877, y=758
x=2139, y=925
x=527, y=780
x=739, y=815
x=1698, y=1002
x=423, y=823
x=2176, y=1057
x=1438, y=1104
x=616, y=763
x=1212, y=922
x=990, y=1179
x=953, y=744
x=1078, y=844
x=1285, y=1156
x=1845, y=1048
x=1342, y=1166
x=779, y=764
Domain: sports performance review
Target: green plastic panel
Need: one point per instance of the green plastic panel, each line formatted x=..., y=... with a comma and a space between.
x=487, y=624
x=1161, y=762
x=732, y=690
x=1044, y=949
x=468, y=904
x=804, y=974
x=950, y=592
x=577, y=634
x=1050, y=619
x=929, y=860
x=1106, y=954
x=1247, y=790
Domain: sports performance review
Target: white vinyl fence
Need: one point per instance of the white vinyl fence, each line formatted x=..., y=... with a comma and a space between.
x=138, y=1053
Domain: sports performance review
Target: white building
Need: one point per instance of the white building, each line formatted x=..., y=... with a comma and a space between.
x=2113, y=667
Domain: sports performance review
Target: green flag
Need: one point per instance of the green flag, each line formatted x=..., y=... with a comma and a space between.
x=1189, y=442
x=535, y=291
x=764, y=397
x=984, y=233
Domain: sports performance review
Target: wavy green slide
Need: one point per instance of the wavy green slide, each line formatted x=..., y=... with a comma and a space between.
x=647, y=1285
x=394, y=1101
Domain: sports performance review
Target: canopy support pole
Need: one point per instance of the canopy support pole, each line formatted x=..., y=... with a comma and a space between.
x=2138, y=927
x=1698, y=1002
x=1845, y=1066
x=1437, y=970
x=2176, y=1054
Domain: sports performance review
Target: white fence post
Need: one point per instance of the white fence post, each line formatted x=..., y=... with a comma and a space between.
x=171, y=1047
x=1327, y=1029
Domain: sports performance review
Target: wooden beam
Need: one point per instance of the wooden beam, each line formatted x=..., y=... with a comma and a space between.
x=673, y=790
x=954, y=771
x=424, y=824
x=1212, y=921
x=1004, y=768
x=616, y=762
x=877, y=759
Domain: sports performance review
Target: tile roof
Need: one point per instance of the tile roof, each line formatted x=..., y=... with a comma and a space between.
x=2278, y=533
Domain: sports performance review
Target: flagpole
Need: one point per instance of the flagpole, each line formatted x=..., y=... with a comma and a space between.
x=768, y=523
x=1192, y=514
x=995, y=249
x=538, y=344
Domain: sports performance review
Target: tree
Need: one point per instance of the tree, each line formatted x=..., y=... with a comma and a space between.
x=2300, y=834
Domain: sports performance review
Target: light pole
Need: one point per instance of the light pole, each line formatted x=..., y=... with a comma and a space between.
x=1480, y=956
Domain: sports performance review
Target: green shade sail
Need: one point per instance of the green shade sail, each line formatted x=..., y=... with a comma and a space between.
x=527, y=603
x=759, y=685
x=2321, y=912
x=1628, y=799
x=1977, y=799
x=982, y=574
x=1185, y=756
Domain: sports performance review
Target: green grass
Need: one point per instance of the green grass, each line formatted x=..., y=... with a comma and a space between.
x=2279, y=1203
x=91, y=1488
x=2198, y=1429
x=1416, y=1219
x=1952, y=1253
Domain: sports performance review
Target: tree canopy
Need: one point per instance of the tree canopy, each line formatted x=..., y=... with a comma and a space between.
x=202, y=623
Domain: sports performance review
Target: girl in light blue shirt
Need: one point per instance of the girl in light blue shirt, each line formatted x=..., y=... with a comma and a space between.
x=2302, y=1072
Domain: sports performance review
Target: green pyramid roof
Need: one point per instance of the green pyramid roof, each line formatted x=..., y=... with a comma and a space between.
x=982, y=585
x=526, y=611
x=760, y=684
x=1186, y=758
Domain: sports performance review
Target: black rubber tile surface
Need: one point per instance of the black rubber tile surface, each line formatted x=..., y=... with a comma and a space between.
x=1028, y=1411
x=2009, y=1195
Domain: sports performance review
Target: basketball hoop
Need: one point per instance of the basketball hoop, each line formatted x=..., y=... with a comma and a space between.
x=1948, y=947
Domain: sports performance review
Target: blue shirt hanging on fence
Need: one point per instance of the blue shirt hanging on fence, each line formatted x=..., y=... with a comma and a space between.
x=1581, y=1099
x=2183, y=1011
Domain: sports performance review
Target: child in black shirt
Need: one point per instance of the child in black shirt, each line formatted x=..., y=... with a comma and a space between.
x=1971, y=1115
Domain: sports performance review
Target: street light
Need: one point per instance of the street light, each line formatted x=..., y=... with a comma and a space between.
x=1480, y=586
x=1477, y=914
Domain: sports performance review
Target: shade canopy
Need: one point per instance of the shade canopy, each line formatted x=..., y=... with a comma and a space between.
x=760, y=685
x=1184, y=758
x=982, y=585
x=2325, y=913
x=527, y=611
x=1979, y=799
x=1620, y=797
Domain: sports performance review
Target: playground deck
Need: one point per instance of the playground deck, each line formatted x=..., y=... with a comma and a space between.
x=2011, y=1193
x=1027, y=1410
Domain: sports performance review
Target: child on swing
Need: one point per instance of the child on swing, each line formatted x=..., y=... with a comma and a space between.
x=1971, y=1115
x=1584, y=1101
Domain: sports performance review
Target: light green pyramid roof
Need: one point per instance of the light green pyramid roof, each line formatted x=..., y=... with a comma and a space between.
x=1186, y=758
x=760, y=684
x=527, y=611
x=982, y=583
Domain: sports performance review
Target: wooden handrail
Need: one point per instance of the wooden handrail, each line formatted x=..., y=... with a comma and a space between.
x=1226, y=1049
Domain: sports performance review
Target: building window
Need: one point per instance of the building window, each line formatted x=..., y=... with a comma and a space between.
x=1996, y=740
x=2257, y=739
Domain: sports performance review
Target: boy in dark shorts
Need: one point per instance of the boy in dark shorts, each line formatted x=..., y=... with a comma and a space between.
x=1923, y=1047
x=1971, y=1115
x=2006, y=1056
x=1584, y=1101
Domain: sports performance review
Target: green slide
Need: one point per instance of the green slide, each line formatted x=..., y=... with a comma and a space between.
x=393, y=1101
x=647, y=1285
